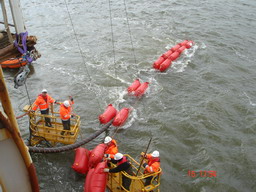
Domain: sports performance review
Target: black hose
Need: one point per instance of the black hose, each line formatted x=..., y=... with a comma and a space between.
x=69, y=147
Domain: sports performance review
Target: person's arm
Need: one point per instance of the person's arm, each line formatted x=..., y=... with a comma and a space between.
x=35, y=105
x=51, y=100
x=119, y=168
x=71, y=99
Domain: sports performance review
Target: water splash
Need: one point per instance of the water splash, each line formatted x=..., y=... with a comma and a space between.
x=181, y=64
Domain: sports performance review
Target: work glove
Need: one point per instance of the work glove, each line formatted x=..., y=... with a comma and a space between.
x=71, y=98
x=106, y=170
x=142, y=154
x=145, y=165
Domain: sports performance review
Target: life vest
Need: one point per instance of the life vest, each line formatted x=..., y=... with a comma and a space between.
x=112, y=148
x=65, y=112
x=153, y=164
x=122, y=161
x=42, y=102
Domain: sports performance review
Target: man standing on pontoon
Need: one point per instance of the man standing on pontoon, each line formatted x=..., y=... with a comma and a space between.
x=43, y=101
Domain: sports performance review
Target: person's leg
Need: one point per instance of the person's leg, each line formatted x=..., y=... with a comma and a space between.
x=47, y=119
x=66, y=126
x=148, y=180
x=126, y=182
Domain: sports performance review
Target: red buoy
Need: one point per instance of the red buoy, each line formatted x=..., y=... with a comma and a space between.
x=97, y=180
x=189, y=44
x=165, y=64
x=133, y=86
x=158, y=62
x=108, y=114
x=96, y=155
x=174, y=56
x=80, y=164
x=175, y=48
x=167, y=54
x=183, y=43
x=88, y=180
x=141, y=89
x=121, y=117
x=181, y=49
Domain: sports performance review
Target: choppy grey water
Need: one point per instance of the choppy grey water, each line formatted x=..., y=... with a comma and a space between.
x=200, y=112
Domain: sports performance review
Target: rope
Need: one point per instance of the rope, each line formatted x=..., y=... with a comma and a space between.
x=27, y=94
x=30, y=132
x=130, y=34
x=113, y=41
x=113, y=46
x=80, y=51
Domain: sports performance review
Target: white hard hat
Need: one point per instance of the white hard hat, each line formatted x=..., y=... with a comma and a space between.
x=118, y=156
x=44, y=91
x=107, y=139
x=155, y=154
x=66, y=103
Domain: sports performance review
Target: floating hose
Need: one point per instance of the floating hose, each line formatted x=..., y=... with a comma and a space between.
x=69, y=147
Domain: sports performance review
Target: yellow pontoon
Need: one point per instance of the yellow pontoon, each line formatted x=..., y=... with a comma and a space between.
x=54, y=134
x=114, y=183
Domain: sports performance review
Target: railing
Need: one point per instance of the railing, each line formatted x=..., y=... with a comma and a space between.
x=137, y=182
x=54, y=133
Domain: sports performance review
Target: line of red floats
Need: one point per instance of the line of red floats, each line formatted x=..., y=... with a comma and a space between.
x=165, y=60
x=89, y=162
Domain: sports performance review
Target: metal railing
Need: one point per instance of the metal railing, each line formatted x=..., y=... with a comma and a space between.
x=137, y=182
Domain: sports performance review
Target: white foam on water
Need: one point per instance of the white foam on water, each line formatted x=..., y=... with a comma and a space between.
x=131, y=118
x=251, y=103
x=182, y=62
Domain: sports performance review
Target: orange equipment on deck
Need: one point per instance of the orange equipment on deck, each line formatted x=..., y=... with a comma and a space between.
x=14, y=63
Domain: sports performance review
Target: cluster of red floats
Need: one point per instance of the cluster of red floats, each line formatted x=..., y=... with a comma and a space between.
x=137, y=89
x=90, y=163
x=165, y=60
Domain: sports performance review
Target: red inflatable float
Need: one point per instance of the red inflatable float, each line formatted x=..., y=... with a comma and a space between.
x=141, y=89
x=165, y=64
x=167, y=54
x=189, y=44
x=80, y=164
x=96, y=155
x=133, y=86
x=181, y=49
x=158, y=62
x=174, y=56
x=96, y=179
x=121, y=117
x=108, y=114
x=88, y=180
x=183, y=43
x=175, y=48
